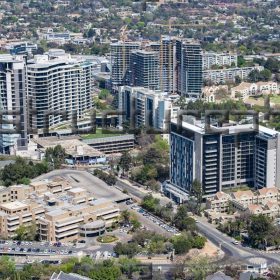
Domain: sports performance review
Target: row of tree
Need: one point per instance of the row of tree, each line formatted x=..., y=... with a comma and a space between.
x=257, y=230
x=22, y=170
x=123, y=268
x=109, y=179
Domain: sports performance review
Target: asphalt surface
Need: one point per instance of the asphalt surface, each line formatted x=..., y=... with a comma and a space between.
x=86, y=180
x=236, y=252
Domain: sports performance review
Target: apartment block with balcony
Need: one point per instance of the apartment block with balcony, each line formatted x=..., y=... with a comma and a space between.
x=58, y=89
x=221, y=158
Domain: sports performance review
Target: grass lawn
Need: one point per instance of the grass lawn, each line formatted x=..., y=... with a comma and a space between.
x=107, y=239
x=98, y=134
x=275, y=99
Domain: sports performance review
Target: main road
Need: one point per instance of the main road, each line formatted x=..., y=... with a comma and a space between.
x=236, y=252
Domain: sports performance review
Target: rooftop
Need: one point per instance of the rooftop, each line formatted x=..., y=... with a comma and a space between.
x=14, y=205
x=73, y=147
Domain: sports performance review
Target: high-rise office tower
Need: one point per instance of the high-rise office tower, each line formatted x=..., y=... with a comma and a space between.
x=12, y=102
x=191, y=69
x=226, y=157
x=120, y=62
x=144, y=69
x=61, y=84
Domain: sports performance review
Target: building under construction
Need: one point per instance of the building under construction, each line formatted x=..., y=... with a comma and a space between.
x=144, y=69
x=120, y=62
x=172, y=65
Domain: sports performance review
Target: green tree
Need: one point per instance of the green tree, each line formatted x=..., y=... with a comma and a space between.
x=182, y=221
x=125, y=161
x=181, y=243
x=55, y=156
x=260, y=230
x=198, y=194
x=27, y=233
x=7, y=268
x=128, y=266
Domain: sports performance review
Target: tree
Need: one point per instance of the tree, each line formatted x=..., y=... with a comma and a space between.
x=265, y=75
x=135, y=224
x=182, y=221
x=259, y=230
x=125, y=161
x=198, y=268
x=152, y=156
x=55, y=156
x=181, y=243
x=26, y=233
x=125, y=216
x=238, y=80
x=254, y=76
x=129, y=249
x=198, y=194
x=272, y=65
x=7, y=268
x=128, y=266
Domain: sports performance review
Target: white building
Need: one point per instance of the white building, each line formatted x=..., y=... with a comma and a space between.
x=221, y=76
x=144, y=107
x=12, y=98
x=61, y=84
x=210, y=58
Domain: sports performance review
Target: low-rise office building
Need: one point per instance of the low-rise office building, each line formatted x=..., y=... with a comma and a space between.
x=61, y=212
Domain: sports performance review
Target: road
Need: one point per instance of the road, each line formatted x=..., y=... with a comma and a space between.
x=140, y=193
x=236, y=252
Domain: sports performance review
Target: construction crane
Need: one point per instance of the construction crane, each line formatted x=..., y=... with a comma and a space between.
x=123, y=35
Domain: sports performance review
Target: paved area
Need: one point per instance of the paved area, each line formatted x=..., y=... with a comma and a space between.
x=237, y=252
x=86, y=180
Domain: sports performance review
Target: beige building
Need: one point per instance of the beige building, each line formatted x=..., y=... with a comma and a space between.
x=61, y=212
x=264, y=201
x=215, y=93
x=244, y=90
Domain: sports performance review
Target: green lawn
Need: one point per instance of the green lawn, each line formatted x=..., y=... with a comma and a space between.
x=98, y=134
x=275, y=99
x=107, y=239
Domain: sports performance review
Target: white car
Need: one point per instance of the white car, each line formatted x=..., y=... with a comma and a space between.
x=235, y=242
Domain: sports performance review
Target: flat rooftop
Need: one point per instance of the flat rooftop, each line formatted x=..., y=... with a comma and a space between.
x=73, y=147
x=13, y=205
x=199, y=127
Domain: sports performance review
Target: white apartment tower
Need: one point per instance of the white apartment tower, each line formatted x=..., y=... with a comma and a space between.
x=58, y=85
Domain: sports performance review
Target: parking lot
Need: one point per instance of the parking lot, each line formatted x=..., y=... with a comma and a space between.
x=13, y=247
x=157, y=221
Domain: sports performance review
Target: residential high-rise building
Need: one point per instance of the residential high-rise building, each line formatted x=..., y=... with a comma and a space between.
x=210, y=59
x=226, y=157
x=191, y=69
x=167, y=63
x=13, y=102
x=120, y=62
x=145, y=107
x=63, y=85
x=144, y=69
